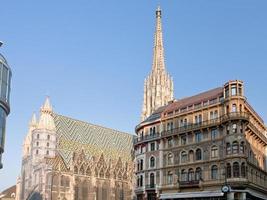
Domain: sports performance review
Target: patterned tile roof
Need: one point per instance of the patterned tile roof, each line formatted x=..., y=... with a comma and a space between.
x=75, y=135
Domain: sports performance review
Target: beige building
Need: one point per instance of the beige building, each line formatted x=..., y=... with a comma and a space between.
x=68, y=159
x=211, y=146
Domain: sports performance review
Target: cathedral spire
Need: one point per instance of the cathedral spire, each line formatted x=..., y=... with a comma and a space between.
x=158, y=56
x=46, y=120
x=158, y=86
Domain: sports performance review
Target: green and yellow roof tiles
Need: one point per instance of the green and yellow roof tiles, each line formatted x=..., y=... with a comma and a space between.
x=74, y=135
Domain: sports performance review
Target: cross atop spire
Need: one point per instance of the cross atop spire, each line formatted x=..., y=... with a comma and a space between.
x=158, y=56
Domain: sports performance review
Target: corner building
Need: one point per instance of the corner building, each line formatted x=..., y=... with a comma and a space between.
x=211, y=146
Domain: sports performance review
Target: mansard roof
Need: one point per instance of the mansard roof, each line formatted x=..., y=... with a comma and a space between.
x=202, y=97
x=75, y=135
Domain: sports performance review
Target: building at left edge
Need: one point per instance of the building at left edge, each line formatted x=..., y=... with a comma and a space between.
x=69, y=159
x=5, y=79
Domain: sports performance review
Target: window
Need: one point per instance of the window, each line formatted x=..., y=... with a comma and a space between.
x=37, y=144
x=170, y=159
x=48, y=137
x=152, y=146
x=214, y=152
x=47, y=144
x=36, y=152
x=191, y=156
x=141, y=181
x=235, y=147
x=154, y=130
x=214, y=172
x=170, y=142
x=183, y=157
x=234, y=128
x=214, y=134
x=233, y=90
x=198, y=154
x=236, y=169
x=211, y=115
x=190, y=174
x=228, y=170
x=152, y=162
x=228, y=148
x=243, y=170
x=183, y=175
x=242, y=148
x=216, y=114
x=152, y=180
x=234, y=109
x=169, y=177
x=47, y=152
x=198, y=136
x=141, y=164
x=38, y=136
x=198, y=173
x=183, y=140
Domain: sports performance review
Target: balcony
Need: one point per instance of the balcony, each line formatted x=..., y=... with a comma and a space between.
x=208, y=123
x=151, y=187
x=146, y=138
x=189, y=184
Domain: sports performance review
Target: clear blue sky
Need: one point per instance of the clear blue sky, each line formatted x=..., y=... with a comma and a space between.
x=91, y=57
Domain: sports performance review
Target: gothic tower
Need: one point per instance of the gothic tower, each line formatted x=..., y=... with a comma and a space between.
x=158, y=86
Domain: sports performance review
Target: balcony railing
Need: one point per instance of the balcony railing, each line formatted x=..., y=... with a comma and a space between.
x=150, y=186
x=195, y=126
x=192, y=183
x=146, y=138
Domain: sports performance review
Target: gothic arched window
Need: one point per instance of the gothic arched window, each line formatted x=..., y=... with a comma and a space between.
x=152, y=161
x=190, y=174
x=183, y=156
x=235, y=147
x=198, y=173
x=170, y=159
x=243, y=170
x=198, y=154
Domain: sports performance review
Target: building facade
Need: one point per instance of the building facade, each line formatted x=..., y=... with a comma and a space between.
x=208, y=146
x=5, y=79
x=194, y=146
x=67, y=159
x=158, y=86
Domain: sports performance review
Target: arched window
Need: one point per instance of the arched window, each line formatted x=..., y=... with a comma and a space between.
x=214, y=151
x=234, y=109
x=36, y=152
x=183, y=157
x=191, y=156
x=235, y=147
x=141, y=164
x=141, y=180
x=228, y=148
x=170, y=159
x=198, y=173
x=169, y=177
x=38, y=136
x=190, y=174
x=242, y=147
x=236, y=169
x=47, y=144
x=37, y=144
x=228, y=170
x=48, y=137
x=152, y=162
x=183, y=175
x=152, y=180
x=214, y=172
x=47, y=152
x=198, y=154
x=243, y=170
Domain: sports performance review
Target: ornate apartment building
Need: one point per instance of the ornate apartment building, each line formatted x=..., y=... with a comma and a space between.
x=208, y=146
x=68, y=159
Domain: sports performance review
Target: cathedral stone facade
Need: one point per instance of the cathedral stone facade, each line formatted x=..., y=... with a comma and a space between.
x=68, y=159
x=158, y=86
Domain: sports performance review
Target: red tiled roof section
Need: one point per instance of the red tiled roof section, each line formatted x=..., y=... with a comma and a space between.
x=182, y=103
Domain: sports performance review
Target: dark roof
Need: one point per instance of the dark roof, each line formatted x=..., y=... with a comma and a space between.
x=9, y=191
x=204, y=96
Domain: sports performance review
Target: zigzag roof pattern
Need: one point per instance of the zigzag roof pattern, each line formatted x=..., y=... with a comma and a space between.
x=74, y=135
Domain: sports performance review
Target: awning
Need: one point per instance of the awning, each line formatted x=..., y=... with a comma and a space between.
x=191, y=195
